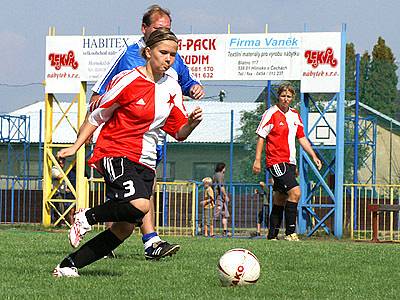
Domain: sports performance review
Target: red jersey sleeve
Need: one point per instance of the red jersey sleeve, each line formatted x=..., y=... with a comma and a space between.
x=176, y=119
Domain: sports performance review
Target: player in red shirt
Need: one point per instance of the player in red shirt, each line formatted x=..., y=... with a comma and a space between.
x=128, y=58
x=279, y=127
x=138, y=104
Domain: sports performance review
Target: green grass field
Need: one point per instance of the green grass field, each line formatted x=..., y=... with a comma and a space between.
x=311, y=269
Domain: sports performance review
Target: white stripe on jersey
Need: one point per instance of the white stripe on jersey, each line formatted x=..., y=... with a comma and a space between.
x=263, y=130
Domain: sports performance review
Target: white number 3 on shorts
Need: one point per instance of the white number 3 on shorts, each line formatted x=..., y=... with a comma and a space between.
x=129, y=187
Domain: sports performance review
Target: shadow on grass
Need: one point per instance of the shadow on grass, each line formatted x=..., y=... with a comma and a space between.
x=100, y=273
x=134, y=255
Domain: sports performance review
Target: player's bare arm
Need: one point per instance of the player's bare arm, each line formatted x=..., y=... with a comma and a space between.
x=195, y=117
x=85, y=131
x=257, y=160
x=307, y=147
x=94, y=120
x=93, y=98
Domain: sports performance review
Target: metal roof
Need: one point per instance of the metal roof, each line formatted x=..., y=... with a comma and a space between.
x=215, y=127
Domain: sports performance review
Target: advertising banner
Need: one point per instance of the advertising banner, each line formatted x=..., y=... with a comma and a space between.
x=313, y=58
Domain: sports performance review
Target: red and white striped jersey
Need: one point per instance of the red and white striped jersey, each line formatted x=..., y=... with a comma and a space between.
x=280, y=130
x=134, y=110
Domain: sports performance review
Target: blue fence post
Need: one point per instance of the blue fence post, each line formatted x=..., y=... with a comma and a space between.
x=231, y=188
x=233, y=211
x=339, y=162
x=197, y=209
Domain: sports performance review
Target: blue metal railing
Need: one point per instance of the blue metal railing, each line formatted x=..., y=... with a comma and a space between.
x=20, y=200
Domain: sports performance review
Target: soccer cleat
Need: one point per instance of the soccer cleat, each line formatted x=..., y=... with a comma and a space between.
x=65, y=272
x=292, y=237
x=161, y=249
x=79, y=228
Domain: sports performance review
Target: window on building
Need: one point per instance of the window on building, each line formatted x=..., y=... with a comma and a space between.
x=170, y=171
x=203, y=169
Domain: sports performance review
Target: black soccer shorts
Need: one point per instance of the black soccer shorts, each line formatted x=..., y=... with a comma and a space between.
x=284, y=176
x=126, y=180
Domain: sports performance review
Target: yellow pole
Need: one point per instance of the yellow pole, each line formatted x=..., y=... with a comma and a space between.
x=352, y=213
x=157, y=206
x=82, y=200
x=187, y=226
x=391, y=213
x=48, y=136
x=193, y=209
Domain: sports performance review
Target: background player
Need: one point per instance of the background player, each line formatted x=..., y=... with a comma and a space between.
x=279, y=127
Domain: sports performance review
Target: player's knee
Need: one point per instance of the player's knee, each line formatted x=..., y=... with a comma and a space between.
x=126, y=212
x=279, y=199
x=295, y=194
x=141, y=204
x=122, y=230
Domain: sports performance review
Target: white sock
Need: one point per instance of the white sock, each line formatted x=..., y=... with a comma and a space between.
x=150, y=242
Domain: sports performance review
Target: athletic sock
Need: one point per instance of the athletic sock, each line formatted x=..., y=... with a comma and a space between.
x=112, y=211
x=290, y=217
x=93, y=250
x=149, y=239
x=275, y=220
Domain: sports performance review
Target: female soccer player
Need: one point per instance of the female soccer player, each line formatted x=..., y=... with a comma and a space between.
x=138, y=104
x=279, y=127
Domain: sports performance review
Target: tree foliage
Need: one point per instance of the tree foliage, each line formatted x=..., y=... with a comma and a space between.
x=381, y=84
x=350, y=71
x=364, y=69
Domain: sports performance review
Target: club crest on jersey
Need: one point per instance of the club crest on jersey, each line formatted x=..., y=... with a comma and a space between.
x=171, y=100
x=281, y=123
x=140, y=102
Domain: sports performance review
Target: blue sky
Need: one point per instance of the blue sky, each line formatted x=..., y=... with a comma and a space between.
x=24, y=26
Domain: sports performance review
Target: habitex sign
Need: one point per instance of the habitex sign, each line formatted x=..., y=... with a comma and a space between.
x=313, y=58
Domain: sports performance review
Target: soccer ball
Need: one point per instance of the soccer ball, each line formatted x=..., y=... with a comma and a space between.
x=238, y=267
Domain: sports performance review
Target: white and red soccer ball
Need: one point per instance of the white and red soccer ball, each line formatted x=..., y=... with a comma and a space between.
x=238, y=267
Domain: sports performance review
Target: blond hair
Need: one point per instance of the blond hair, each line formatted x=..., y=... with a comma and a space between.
x=207, y=180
